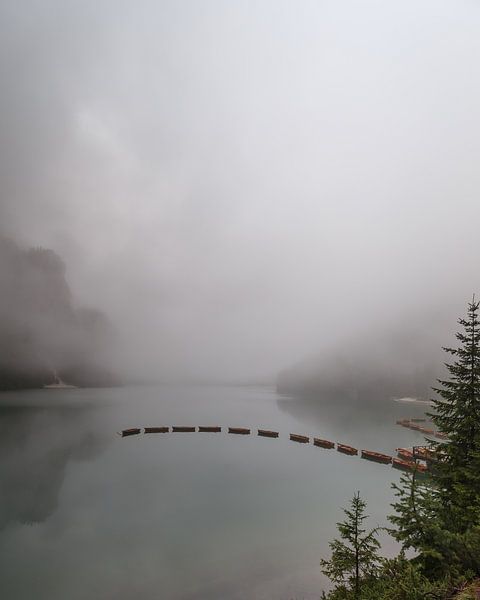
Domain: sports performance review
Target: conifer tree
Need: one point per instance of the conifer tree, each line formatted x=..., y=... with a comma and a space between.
x=355, y=554
x=457, y=415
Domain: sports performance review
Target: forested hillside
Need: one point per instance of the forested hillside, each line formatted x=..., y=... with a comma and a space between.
x=41, y=330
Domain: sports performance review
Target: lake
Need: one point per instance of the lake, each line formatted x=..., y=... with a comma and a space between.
x=85, y=513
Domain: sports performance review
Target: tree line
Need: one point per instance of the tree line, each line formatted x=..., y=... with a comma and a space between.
x=436, y=519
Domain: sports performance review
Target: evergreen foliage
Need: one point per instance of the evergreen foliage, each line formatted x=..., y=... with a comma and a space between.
x=355, y=554
x=438, y=517
x=457, y=415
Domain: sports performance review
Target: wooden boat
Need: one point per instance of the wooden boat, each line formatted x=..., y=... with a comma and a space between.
x=302, y=439
x=323, y=443
x=239, y=430
x=418, y=420
x=403, y=465
x=344, y=449
x=157, y=429
x=427, y=431
x=405, y=423
x=131, y=431
x=440, y=435
x=210, y=429
x=268, y=433
x=426, y=454
x=405, y=454
x=183, y=429
x=415, y=427
x=377, y=457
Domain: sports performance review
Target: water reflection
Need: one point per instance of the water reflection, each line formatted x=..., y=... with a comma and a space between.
x=36, y=445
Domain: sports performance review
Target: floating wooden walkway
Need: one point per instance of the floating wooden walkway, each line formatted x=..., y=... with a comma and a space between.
x=406, y=460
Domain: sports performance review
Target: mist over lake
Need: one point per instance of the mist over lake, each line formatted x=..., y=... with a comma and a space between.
x=85, y=513
x=257, y=215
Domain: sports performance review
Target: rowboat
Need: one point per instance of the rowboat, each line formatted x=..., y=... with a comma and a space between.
x=377, y=457
x=268, y=433
x=405, y=454
x=210, y=429
x=344, y=449
x=131, y=431
x=157, y=429
x=239, y=430
x=323, y=443
x=302, y=439
x=177, y=428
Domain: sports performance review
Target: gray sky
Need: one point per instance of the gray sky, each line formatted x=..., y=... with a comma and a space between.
x=239, y=184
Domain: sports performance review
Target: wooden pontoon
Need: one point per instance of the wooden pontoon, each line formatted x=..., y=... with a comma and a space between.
x=210, y=429
x=323, y=443
x=268, y=433
x=131, y=431
x=239, y=430
x=157, y=429
x=302, y=439
x=344, y=449
x=377, y=457
x=176, y=429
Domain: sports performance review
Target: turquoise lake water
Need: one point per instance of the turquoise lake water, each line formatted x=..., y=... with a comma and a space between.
x=85, y=513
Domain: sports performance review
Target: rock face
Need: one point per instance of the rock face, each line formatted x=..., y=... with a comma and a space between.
x=41, y=332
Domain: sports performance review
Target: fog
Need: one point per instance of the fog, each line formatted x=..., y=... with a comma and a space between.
x=242, y=185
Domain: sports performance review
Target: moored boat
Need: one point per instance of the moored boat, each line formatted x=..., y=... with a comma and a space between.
x=268, y=433
x=157, y=429
x=177, y=428
x=302, y=439
x=344, y=449
x=210, y=429
x=323, y=443
x=239, y=430
x=377, y=457
x=404, y=465
x=131, y=431
x=405, y=454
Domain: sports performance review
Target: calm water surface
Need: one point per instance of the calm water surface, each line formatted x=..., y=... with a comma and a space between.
x=87, y=514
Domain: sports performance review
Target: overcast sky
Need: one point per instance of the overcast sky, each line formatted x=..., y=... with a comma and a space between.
x=239, y=184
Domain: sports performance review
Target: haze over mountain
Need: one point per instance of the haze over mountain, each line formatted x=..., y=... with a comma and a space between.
x=238, y=186
x=42, y=334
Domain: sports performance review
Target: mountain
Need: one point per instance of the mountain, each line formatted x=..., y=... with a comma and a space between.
x=399, y=364
x=42, y=333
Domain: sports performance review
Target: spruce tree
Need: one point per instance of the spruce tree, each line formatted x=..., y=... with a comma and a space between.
x=457, y=415
x=354, y=555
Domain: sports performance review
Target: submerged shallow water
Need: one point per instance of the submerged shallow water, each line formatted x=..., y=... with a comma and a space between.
x=87, y=514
